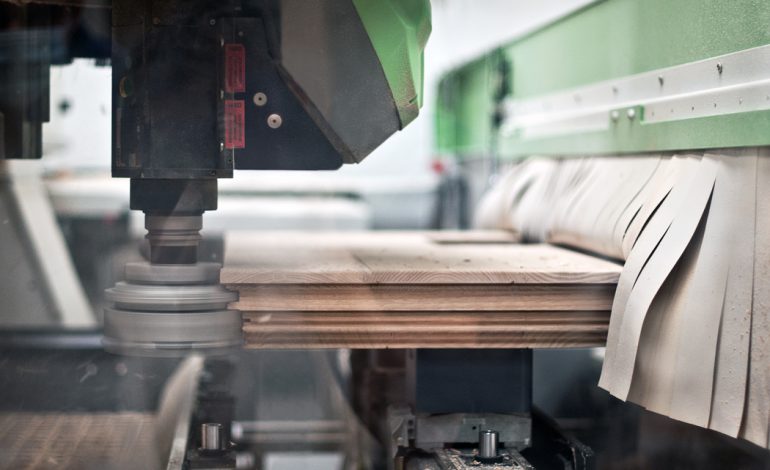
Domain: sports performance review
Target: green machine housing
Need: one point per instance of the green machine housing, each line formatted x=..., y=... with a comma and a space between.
x=617, y=76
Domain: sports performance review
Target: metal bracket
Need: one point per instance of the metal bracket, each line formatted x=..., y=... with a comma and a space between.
x=733, y=83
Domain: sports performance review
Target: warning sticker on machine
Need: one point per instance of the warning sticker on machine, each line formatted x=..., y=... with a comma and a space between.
x=235, y=68
x=235, y=124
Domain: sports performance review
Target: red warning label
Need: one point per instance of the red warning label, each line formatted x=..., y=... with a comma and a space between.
x=235, y=68
x=235, y=124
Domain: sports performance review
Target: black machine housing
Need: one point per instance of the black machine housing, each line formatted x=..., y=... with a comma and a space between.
x=202, y=88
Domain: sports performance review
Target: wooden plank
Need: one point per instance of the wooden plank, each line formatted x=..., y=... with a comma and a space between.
x=289, y=257
x=542, y=329
x=470, y=340
x=253, y=319
x=484, y=264
x=421, y=343
x=416, y=289
x=402, y=258
x=414, y=297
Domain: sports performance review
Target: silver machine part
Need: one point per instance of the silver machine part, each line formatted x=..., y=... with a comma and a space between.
x=172, y=305
x=170, y=310
x=168, y=274
x=488, y=444
x=173, y=230
x=432, y=431
x=211, y=436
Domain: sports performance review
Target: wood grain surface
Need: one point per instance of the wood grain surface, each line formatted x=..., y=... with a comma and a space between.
x=452, y=329
x=415, y=297
x=416, y=290
x=403, y=258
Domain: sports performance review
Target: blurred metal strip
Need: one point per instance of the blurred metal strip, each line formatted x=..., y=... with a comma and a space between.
x=175, y=412
x=49, y=246
x=733, y=83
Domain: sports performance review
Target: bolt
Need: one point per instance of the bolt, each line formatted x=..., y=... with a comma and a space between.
x=212, y=22
x=240, y=33
x=274, y=121
x=631, y=113
x=488, y=440
x=615, y=115
x=211, y=436
x=260, y=99
x=720, y=67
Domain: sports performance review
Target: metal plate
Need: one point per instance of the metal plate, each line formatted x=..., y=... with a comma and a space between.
x=728, y=84
x=170, y=334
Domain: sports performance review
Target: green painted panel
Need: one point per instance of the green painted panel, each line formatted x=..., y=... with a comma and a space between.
x=469, y=92
x=611, y=39
x=399, y=30
x=615, y=38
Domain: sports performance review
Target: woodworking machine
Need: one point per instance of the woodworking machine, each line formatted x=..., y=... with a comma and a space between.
x=202, y=88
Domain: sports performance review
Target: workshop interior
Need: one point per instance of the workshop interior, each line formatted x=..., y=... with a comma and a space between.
x=384, y=234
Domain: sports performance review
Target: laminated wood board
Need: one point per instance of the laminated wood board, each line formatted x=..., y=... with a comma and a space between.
x=373, y=330
x=406, y=258
x=416, y=289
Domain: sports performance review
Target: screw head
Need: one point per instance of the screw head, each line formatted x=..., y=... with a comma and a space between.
x=660, y=80
x=720, y=67
x=260, y=99
x=274, y=121
x=615, y=115
x=631, y=113
x=212, y=22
